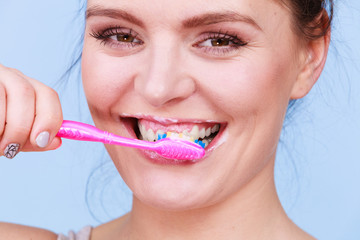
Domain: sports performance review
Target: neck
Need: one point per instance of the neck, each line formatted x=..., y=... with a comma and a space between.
x=253, y=212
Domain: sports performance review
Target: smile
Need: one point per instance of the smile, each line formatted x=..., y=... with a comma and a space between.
x=152, y=129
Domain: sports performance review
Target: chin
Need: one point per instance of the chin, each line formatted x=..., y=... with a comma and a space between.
x=174, y=199
x=163, y=186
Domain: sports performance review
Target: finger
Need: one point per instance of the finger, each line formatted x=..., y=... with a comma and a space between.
x=20, y=109
x=54, y=144
x=48, y=116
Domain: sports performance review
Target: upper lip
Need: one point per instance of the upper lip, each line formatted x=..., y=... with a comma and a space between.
x=166, y=120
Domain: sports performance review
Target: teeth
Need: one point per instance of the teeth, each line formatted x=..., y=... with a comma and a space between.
x=142, y=129
x=208, y=132
x=150, y=135
x=186, y=135
x=202, y=133
x=195, y=132
x=206, y=142
x=174, y=135
x=215, y=128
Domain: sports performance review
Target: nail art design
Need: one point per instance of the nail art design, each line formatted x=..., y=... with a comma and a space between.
x=11, y=150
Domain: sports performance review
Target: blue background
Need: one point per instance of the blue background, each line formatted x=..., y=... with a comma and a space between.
x=318, y=167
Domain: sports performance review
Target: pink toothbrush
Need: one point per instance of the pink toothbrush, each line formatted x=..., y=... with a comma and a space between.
x=168, y=148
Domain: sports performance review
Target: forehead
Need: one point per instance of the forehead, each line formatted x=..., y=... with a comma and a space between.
x=264, y=12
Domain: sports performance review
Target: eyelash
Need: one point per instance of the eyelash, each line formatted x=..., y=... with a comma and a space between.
x=105, y=37
x=232, y=40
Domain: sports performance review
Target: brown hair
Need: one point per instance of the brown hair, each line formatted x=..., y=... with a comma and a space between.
x=311, y=20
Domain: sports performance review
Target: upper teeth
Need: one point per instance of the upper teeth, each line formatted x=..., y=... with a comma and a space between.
x=195, y=133
x=215, y=128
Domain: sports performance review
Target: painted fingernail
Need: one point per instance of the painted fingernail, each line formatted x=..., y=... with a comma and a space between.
x=11, y=150
x=42, y=139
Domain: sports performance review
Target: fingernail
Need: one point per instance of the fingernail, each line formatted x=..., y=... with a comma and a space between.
x=42, y=139
x=11, y=150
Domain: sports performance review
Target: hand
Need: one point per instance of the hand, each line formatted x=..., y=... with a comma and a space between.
x=30, y=114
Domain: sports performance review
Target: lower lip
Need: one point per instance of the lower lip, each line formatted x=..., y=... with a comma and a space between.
x=157, y=159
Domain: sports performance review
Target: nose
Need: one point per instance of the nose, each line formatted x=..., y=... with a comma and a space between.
x=163, y=77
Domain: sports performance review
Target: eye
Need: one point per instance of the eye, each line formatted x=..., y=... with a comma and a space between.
x=124, y=38
x=118, y=37
x=218, y=43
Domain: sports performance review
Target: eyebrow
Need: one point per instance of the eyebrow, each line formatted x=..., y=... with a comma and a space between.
x=193, y=22
x=113, y=13
x=213, y=18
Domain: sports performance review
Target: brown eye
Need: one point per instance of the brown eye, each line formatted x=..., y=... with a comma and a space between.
x=125, y=38
x=117, y=35
x=220, y=42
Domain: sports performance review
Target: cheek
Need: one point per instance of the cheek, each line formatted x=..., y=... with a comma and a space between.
x=106, y=79
x=248, y=86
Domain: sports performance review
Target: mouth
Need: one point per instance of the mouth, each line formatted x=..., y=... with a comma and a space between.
x=204, y=133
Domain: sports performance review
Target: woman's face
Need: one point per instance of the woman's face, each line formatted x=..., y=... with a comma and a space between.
x=181, y=65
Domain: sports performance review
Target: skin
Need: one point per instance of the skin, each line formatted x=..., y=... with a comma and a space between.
x=171, y=70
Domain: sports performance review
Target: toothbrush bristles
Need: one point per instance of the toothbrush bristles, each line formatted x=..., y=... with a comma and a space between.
x=182, y=137
x=176, y=148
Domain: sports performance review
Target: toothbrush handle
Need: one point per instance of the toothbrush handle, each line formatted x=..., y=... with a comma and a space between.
x=85, y=132
x=171, y=149
x=81, y=131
